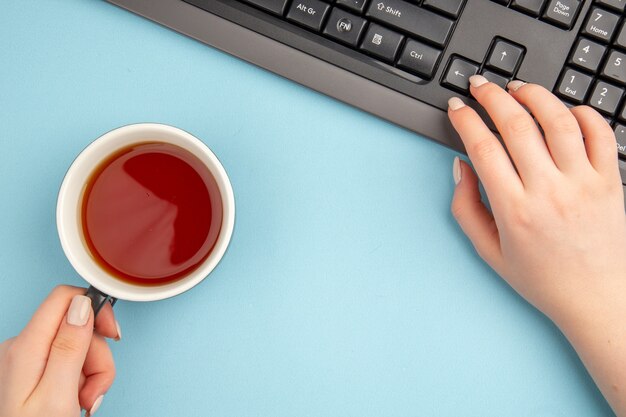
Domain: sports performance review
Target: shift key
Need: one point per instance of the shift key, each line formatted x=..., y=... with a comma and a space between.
x=409, y=18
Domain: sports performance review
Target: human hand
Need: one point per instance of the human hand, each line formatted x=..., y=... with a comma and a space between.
x=58, y=364
x=557, y=229
x=557, y=234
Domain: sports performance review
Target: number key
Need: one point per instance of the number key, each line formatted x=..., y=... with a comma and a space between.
x=587, y=54
x=621, y=38
x=606, y=97
x=574, y=86
x=615, y=67
x=615, y=4
x=600, y=24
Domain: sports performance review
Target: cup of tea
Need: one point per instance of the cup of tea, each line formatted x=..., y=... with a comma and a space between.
x=145, y=212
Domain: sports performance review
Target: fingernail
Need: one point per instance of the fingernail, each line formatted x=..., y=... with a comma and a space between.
x=477, y=80
x=119, y=332
x=456, y=170
x=455, y=103
x=95, y=406
x=515, y=85
x=78, y=314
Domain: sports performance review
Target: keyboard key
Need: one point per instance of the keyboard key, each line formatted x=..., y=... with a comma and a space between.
x=605, y=97
x=532, y=7
x=274, y=6
x=495, y=78
x=561, y=12
x=458, y=73
x=344, y=27
x=600, y=24
x=505, y=56
x=415, y=20
x=620, y=136
x=615, y=4
x=574, y=86
x=621, y=38
x=382, y=42
x=450, y=7
x=419, y=58
x=502, y=2
x=309, y=13
x=587, y=54
x=356, y=5
x=615, y=67
x=622, y=114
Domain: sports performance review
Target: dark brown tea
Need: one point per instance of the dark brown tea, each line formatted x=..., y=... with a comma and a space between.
x=151, y=213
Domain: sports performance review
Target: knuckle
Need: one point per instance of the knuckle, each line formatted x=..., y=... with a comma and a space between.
x=607, y=136
x=63, y=290
x=65, y=346
x=612, y=186
x=491, y=93
x=520, y=219
x=519, y=124
x=484, y=149
x=457, y=208
x=564, y=123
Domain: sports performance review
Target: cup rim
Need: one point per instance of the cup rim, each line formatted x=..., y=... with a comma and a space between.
x=105, y=282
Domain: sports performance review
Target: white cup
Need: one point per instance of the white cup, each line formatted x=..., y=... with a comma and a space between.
x=69, y=213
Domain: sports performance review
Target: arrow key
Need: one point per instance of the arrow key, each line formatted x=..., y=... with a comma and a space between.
x=505, y=56
x=587, y=54
x=605, y=97
x=459, y=70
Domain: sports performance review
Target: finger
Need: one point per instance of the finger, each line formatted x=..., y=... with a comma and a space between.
x=600, y=140
x=473, y=217
x=99, y=370
x=32, y=345
x=561, y=130
x=517, y=128
x=39, y=333
x=69, y=349
x=487, y=153
x=106, y=325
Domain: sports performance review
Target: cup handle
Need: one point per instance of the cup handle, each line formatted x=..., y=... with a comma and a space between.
x=98, y=299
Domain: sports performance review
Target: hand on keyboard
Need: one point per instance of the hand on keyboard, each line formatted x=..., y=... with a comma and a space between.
x=557, y=229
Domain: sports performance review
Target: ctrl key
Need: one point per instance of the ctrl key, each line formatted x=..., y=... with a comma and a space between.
x=419, y=58
x=574, y=85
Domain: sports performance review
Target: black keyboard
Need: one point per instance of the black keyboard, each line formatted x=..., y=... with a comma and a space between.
x=402, y=59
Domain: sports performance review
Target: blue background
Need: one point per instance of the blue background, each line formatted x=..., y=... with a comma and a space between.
x=348, y=289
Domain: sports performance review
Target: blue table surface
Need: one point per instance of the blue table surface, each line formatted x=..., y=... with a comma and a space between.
x=348, y=288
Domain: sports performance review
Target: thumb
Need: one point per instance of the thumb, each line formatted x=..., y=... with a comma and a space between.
x=69, y=349
x=473, y=217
